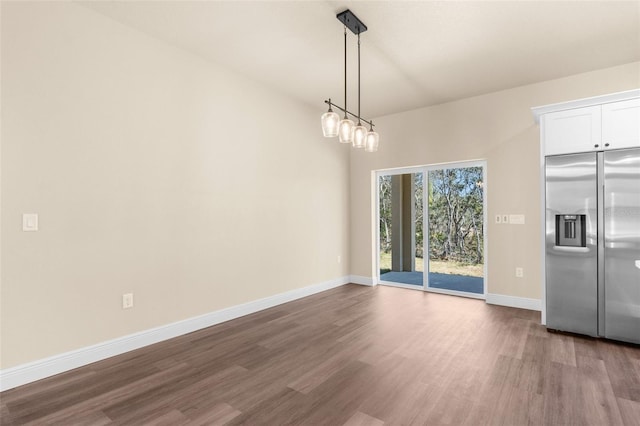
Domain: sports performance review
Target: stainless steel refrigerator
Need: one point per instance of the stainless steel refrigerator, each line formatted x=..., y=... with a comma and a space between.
x=593, y=243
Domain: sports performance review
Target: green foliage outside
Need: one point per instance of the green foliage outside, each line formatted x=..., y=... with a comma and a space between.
x=455, y=215
x=455, y=223
x=437, y=266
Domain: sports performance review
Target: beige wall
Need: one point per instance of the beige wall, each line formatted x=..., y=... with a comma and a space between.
x=153, y=172
x=498, y=128
x=158, y=173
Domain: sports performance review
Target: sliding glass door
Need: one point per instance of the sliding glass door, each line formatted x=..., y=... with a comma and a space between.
x=431, y=228
x=401, y=243
x=456, y=229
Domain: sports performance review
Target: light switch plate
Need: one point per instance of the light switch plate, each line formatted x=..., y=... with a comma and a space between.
x=516, y=219
x=127, y=300
x=30, y=222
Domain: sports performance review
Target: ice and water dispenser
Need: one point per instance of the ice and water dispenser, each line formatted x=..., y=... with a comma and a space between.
x=570, y=230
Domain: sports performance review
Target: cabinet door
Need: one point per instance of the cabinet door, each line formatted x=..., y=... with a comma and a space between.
x=572, y=131
x=621, y=124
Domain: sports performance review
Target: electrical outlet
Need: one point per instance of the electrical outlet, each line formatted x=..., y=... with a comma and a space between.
x=519, y=272
x=498, y=218
x=505, y=218
x=127, y=300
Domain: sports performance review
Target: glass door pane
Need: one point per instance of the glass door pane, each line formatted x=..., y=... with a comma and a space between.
x=401, y=229
x=455, y=226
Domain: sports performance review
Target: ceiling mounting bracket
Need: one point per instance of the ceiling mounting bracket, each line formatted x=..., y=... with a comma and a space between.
x=352, y=22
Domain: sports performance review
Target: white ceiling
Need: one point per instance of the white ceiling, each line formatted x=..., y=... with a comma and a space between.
x=414, y=54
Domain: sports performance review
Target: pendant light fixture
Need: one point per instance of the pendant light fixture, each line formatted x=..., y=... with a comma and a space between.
x=348, y=132
x=330, y=122
x=371, y=141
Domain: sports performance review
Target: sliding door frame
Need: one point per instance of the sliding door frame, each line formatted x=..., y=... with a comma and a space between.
x=425, y=227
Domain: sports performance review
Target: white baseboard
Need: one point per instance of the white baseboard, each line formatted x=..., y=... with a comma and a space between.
x=514, y=301
x=30, y=372
x=359, y=279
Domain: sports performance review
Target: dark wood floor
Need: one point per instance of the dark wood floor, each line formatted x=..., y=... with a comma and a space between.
x=353, y=355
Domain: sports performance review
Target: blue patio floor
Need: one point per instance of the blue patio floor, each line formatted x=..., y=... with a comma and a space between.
x=442, y=281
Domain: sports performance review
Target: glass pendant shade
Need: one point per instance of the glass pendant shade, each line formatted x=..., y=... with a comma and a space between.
x=359, y=134
x=345, y=130
x=371, y=141
x=330, y=121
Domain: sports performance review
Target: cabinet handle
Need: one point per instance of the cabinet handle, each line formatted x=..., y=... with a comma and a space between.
x=606, y=144
x=596, y=145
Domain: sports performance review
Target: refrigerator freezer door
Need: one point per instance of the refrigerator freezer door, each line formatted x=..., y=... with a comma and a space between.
x=572, y=271
x=622, y=244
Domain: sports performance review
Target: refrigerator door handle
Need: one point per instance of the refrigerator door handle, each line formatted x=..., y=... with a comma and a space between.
x=602, y=316
x=569, y=249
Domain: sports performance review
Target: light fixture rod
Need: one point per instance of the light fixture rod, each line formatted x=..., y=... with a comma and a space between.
x=331, y=104
x=345, y=105
x=345, y=70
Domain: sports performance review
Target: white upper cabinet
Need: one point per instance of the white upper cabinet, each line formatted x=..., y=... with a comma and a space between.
x=593, y=124
x=621, y=124
x=573, y=130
